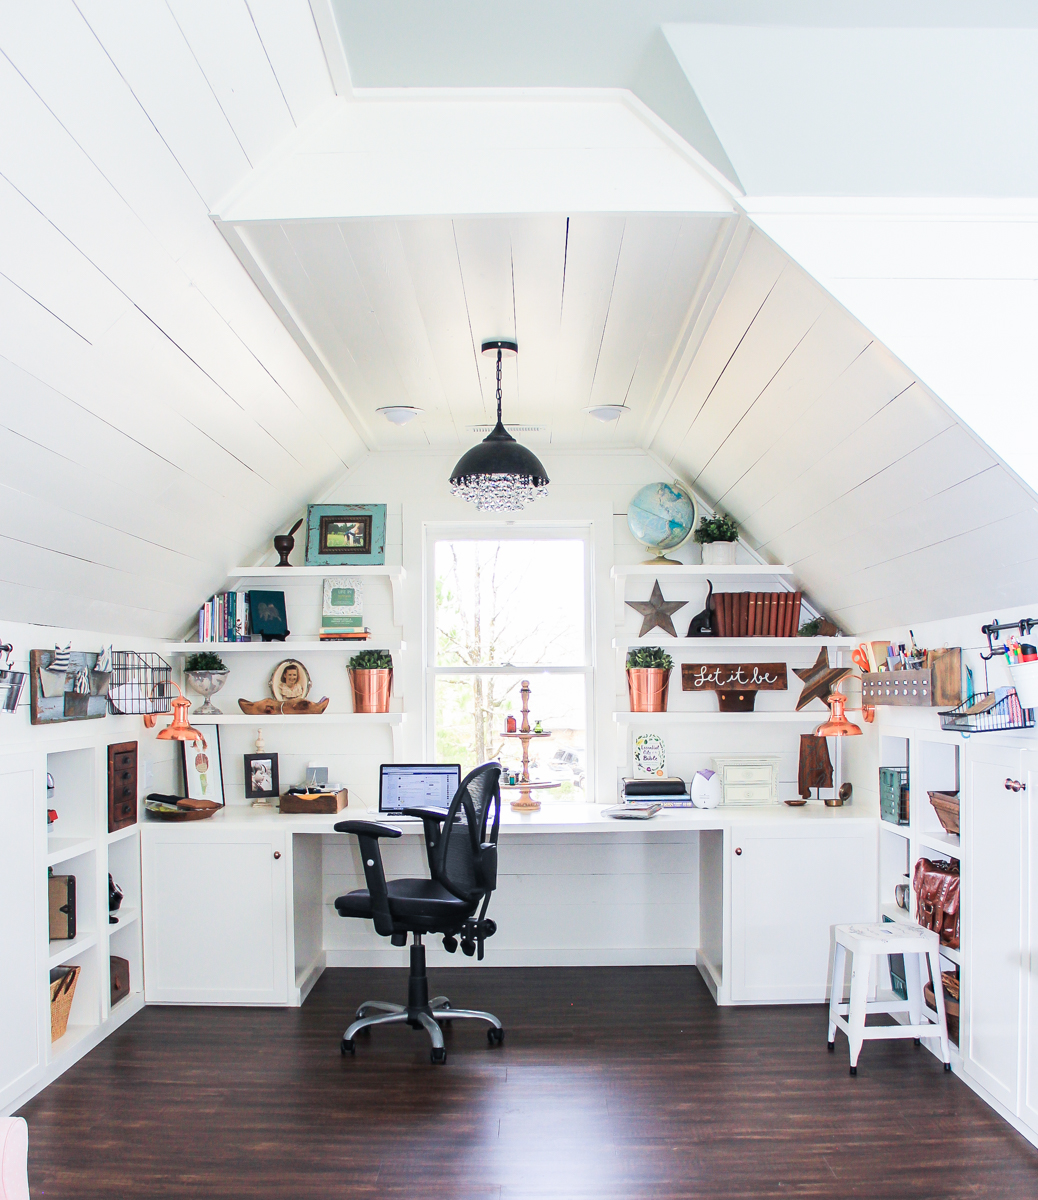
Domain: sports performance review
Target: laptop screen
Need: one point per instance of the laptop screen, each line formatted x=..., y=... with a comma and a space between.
x=409, y=785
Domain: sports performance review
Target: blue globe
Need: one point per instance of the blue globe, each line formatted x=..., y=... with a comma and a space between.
x=661, y=516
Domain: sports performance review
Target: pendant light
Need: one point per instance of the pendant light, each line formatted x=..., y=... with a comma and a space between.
x=180, y=730
x=499, y=475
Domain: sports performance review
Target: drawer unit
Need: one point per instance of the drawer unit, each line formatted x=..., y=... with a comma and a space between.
x=122, y=785
x=748, y=779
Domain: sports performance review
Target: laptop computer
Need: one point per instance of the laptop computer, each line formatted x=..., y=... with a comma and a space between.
x=409, y=785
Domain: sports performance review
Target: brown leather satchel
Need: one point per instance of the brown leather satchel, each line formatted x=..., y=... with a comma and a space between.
x=936, y=887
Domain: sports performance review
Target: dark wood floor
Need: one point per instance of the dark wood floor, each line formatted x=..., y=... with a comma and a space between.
x=610, y=1083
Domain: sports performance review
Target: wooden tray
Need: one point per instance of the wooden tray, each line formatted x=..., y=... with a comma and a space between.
x=317, y=802
x=190, y=810
x=946, y=806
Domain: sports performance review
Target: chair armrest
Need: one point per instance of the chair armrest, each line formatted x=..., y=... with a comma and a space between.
x=367, y=834
x=427, y=813
x=366, y=829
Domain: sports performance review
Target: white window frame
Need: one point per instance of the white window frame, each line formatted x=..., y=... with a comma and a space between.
x=520, y=531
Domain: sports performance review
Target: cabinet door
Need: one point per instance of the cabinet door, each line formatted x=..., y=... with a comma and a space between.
x=22, y=976
x=215, y=908
x=1029, y=1099
x=992, y=921
x=789, y=885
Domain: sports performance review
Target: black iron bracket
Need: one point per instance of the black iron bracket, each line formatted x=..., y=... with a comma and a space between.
x=1023, y=627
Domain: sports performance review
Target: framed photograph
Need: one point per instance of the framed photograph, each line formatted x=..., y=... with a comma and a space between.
x=261, y=777
x=203, y=769
x=345, y=534
x=290, y=681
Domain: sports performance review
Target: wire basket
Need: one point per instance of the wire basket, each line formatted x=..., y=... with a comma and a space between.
x=1007, y=713
x=893, y=795
x=141, y=683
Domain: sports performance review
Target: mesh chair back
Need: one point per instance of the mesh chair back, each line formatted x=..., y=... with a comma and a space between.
x=460, y=851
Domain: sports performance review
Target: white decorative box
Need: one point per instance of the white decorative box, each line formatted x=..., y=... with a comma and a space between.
x=748, y=778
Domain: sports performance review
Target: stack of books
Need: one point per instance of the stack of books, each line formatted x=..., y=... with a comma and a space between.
x=670, y=792
x=344, y=635
x=224, y=618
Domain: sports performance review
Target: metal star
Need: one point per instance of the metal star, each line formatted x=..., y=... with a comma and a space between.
x=656, y=611
x=819, y=679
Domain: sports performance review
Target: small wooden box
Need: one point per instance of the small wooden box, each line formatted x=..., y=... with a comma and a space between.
x=122, y=785
x=314, y=802
x=120, y=972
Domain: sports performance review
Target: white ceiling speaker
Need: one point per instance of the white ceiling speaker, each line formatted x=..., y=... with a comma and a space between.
x=399, y=414
x=607, y=412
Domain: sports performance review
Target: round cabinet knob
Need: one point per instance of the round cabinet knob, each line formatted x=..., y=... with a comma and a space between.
x=1014, y=785
x=277, y=853
x=738, y=849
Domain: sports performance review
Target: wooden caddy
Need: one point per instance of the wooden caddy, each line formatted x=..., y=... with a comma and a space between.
x=525, y=734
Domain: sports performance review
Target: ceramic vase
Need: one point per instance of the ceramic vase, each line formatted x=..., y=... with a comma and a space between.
x=206, y=684
x=719, y=554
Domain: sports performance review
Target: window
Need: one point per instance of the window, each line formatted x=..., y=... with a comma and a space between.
x=504, y=607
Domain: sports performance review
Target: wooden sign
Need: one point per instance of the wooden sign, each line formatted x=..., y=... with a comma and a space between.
x=733, y=677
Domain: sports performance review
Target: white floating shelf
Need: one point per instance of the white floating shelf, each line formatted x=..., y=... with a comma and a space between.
x=60, y=849
x=813, y=644
x=717, y=718
x=395, y=575
x=66, y=950
x=663, y=570
x=302, y=645
x=325, y=718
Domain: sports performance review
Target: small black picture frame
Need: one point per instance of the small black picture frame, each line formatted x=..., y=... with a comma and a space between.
x=261, y=776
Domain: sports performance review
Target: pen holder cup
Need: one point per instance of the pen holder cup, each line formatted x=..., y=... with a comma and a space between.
x=1025, y=680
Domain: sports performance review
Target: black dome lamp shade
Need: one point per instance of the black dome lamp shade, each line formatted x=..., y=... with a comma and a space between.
x=499, y=475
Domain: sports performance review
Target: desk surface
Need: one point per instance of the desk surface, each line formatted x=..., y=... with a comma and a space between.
x=551, y=819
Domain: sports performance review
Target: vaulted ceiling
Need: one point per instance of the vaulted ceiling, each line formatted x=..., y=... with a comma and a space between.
x=215, y=270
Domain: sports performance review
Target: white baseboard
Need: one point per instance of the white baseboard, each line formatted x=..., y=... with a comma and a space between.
x=306, y=978
x=621, y=956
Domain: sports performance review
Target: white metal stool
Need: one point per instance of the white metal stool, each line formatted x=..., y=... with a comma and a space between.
x=865, y=943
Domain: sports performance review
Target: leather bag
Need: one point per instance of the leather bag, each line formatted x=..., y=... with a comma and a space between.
x=936, y=887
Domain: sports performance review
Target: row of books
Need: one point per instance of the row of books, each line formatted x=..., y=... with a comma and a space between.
x=224, y=618
x=669, y=792
x=344, y=635
x=756, y=614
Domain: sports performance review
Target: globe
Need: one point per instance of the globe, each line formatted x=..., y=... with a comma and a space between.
x=661, y=516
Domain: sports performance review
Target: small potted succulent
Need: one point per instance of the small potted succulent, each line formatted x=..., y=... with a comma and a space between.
x=718, y=536
x=371, y=677
x=206, y=673
x=648, y=678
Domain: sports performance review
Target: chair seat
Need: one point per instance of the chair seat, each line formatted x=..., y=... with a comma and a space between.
x=887, y=937
x=411, y=901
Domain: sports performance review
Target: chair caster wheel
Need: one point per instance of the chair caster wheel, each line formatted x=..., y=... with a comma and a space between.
x=854, y=1070
x=916, y=1042
x=438, y=1055
x=495, y=1036
x=947, y=1067
x=346, y=1047
x=831, y=1047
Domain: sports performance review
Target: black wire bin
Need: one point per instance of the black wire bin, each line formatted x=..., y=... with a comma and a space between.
x=987, y=714
x=141, y=683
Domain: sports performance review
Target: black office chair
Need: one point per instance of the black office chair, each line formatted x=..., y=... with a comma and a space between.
x=463, y=865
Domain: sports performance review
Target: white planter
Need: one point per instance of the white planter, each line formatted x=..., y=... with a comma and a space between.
x=1025, y=680
x=719, y=554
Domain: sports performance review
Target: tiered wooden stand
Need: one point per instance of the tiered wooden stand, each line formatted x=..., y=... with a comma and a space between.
x=525, y=734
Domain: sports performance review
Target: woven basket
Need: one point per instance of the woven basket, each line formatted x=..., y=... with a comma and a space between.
x=62, y=990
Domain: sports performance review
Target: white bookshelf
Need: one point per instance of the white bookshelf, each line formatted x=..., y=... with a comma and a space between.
x=395, y=575
x=286, y=648
x=807, y=717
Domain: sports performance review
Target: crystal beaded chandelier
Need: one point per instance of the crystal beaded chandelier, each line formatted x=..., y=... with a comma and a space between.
x=499, y=475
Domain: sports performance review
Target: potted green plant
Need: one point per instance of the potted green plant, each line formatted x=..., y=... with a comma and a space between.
x=648, y=678
x=206, y=673
x=718, y=536
x=371, y=678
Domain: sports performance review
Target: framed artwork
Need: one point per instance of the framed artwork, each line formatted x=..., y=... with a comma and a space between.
x=261, y=777
x=267, y=615
x=290, y=681
x=203, y=769
x=345, y=535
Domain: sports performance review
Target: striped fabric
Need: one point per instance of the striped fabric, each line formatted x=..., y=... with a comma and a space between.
x=59, y=663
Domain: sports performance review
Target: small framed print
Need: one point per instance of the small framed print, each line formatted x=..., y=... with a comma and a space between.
x=203, y=769
x=261, y=777
x=345, y=534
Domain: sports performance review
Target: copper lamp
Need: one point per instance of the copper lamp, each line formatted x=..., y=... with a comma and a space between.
x=838, y=725
x=179, y=730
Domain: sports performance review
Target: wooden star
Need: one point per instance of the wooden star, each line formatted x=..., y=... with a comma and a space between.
x=819, y=679
x=656, y=611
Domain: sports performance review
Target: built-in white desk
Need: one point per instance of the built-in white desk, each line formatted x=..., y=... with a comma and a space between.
x=235, y=907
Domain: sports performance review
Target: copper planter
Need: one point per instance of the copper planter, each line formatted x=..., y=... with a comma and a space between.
x=648, y=688
x=371, y=690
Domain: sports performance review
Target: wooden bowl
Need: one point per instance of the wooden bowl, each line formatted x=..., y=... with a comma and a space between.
x=188, y=810
x=946, y=806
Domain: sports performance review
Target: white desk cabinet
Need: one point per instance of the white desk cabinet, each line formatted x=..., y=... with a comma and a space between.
x=790, y=883
x=993, y=915
x=215, y=915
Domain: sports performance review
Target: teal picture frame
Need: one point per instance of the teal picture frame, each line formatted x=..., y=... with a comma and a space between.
x=345, y=535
